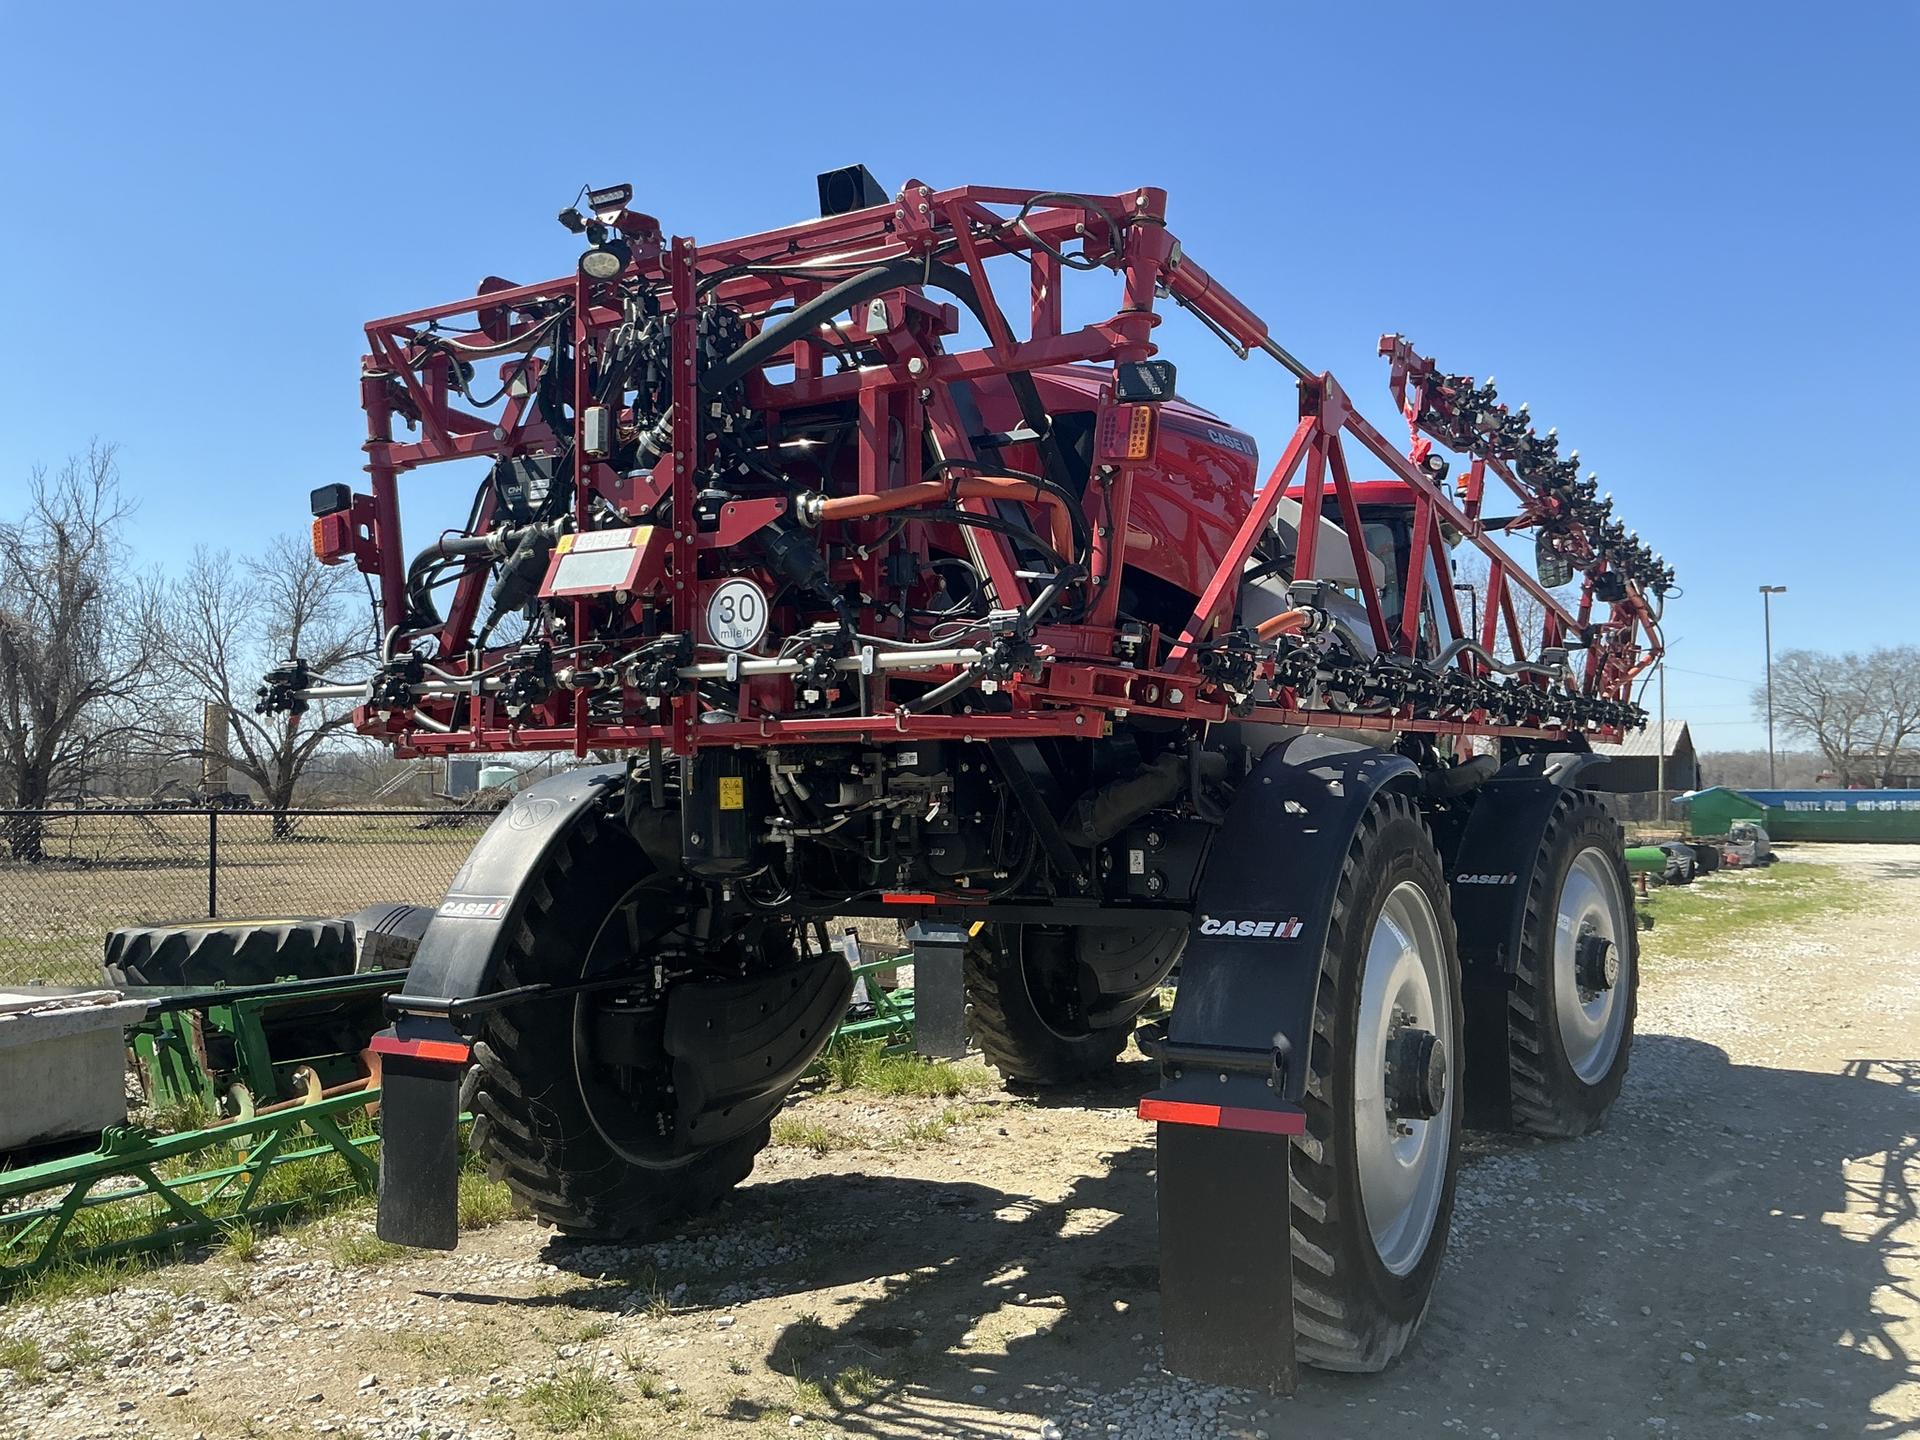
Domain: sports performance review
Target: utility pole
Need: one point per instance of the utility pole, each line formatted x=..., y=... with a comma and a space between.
x=1472, y=592
x=1767, y=592
x=1660, y=784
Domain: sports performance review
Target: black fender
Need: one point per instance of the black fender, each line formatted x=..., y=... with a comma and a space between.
x=489, y=895
x=1234, y=1056
x=424, y=1055
x=1250, y=973
x=1489, y=874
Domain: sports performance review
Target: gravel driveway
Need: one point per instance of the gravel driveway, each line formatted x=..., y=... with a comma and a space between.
x=1737, y=1254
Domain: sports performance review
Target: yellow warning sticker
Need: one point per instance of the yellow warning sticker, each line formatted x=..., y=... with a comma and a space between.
x=733, y=792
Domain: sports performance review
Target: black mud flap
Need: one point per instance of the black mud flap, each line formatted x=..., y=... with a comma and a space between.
x=939, y=990
x=421, y=1065
x=738, y=1045
x=1226, y=1262
x=1233, y=1057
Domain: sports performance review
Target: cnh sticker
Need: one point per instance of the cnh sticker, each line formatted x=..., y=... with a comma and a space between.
x=733, y=792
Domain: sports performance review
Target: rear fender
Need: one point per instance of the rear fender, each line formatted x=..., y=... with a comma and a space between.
x=1489, y=876
x=1251, y=969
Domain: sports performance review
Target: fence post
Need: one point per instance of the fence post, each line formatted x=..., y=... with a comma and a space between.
x=213, y=864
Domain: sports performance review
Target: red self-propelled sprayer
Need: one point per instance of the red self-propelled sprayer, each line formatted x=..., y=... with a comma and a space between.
x=1003, y=635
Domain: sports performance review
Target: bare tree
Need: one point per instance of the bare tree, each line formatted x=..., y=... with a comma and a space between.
x=230, y=621
x=1861, y=711
x=78, y=638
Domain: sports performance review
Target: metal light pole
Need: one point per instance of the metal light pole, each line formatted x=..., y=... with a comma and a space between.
x=1767, y=592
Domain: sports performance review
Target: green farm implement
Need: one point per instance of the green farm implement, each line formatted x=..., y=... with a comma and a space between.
x=268, y=1103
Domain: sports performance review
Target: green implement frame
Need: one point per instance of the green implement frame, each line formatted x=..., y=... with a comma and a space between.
x=304, y=1148
x=143, y=1192
x=224, y=1048
x=892, y=1018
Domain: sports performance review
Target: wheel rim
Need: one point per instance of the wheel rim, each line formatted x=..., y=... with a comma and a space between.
x=1591, y=1021
x=1402, y=1160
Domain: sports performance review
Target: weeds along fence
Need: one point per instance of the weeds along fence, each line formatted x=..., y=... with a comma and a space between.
x=67, y=877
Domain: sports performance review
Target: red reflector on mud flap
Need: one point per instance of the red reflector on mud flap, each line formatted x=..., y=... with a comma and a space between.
x=1224, y=1117
x=451, y=1051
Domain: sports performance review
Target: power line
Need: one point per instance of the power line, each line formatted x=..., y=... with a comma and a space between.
x=1710, y=675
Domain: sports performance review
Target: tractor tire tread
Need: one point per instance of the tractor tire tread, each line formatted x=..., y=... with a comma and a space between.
x=229, y=952
x=1548, y=1100
x=1338, y=1325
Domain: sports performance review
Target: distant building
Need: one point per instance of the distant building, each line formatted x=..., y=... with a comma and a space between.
x=1900, y=769
x=1633, y=766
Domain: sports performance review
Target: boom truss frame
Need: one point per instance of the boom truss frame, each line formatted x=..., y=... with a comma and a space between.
x=409, y=374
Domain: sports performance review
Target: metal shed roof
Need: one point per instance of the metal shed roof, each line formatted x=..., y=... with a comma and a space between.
x=1644, y=744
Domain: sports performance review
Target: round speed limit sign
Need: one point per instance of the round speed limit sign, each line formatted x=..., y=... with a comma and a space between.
x=737, y=614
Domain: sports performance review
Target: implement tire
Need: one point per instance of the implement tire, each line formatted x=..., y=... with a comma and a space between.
x=1372, y=1205
x=1033, y=1002
x=229, y=952
x=535, y=1126
x=1568, y=1044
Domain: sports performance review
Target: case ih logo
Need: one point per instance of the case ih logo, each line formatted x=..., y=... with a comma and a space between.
x=1485, y=879
x=1251, y=929
x=473, y=907
x=1231, y=441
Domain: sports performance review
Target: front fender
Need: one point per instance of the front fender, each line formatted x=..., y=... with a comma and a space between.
x=489, y=896
x=1251, y=970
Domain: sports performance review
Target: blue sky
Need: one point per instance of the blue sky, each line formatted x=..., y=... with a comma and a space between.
x=1684, y=234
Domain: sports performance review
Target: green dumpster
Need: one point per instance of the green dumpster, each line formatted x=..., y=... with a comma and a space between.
x=1808, y=814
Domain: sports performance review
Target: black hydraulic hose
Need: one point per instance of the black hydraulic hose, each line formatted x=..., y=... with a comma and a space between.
x=420, y=602
x=804, y=319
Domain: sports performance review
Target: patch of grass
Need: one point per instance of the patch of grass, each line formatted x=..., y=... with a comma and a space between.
x=75, y=1278
x=239, y=1242
x=807, y=1395
x=483, y=1201
x=795, y=1134
x=931, y=1131
x=458, y=1353
x=593, y=1330
x=356, y=1248
x=800, y=1342
x=1694, y=919
x=192, y=1113
x=21, y=1354
x=658, y=1304
x=573, y=1400
x=866, y=1065
x=856, y=1385
x=84, y=1351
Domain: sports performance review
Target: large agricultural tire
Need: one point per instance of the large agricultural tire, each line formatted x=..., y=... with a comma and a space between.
x=229, y=952
x=1035, y=1005
x=1371, y=1205
x=535, y=1126
x=1568, y=1042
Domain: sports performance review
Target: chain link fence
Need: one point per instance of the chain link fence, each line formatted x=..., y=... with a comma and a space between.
x=67, y=877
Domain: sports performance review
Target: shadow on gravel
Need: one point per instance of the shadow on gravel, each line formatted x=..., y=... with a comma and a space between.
x=1768, y=1214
